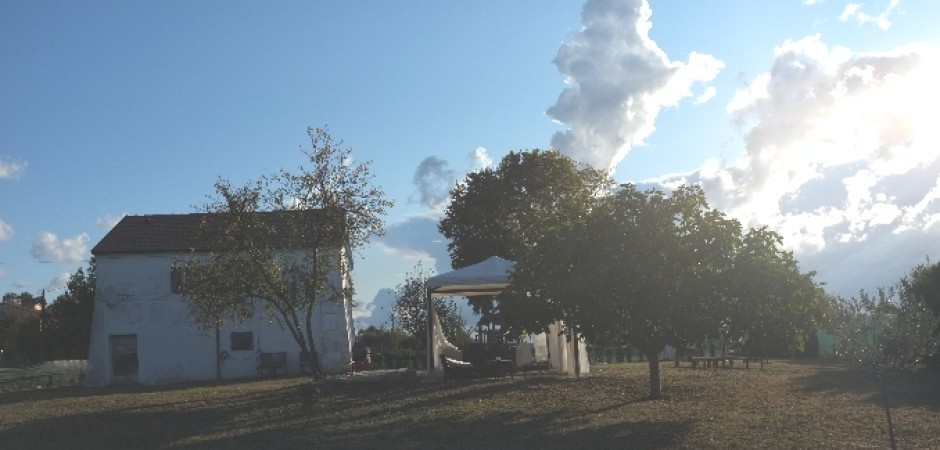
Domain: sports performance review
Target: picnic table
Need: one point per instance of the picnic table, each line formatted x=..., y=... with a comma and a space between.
x=716, y=361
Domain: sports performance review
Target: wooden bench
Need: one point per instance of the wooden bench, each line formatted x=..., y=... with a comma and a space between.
x=499, y=368
x=272, y=362
x=747, y=360
x=707, y=361
x=714, y=361
x=540, y=367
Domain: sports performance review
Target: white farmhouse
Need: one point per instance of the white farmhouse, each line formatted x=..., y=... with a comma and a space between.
x=142, y=332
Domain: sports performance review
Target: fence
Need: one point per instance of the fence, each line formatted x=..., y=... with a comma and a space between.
x=45, y=375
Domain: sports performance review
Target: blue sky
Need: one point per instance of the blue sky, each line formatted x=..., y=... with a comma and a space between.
x=810, y=117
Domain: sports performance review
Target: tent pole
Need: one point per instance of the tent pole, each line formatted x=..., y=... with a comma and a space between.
x=548, y=347
x=430, y=311
x=577, y=354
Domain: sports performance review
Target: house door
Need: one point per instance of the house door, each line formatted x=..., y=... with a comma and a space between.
x=124, y=358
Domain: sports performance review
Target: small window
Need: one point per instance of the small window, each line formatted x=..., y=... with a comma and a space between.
x=177, y=278
x=124, y=355
x=243, y=340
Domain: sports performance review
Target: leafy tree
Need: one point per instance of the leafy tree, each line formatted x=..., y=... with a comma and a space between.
x=922, y=285
x=894, y=329
x=285, y=259
x=410, y=310
x=23, y=298
x=70, y=316
x=22, y=340
x=504, y=211
x=643, y=268
x=773, y=306
x=19, y=333
x=661, y=261
x=387, y=348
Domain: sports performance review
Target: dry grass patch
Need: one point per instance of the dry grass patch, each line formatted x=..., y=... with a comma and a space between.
x=784, y=405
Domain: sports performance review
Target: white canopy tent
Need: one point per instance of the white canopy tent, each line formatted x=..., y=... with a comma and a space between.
x=490, y=277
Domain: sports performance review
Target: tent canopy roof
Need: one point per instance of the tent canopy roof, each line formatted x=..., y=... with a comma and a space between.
x=487, y=277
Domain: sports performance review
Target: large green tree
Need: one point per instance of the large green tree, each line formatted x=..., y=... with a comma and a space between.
x=278, y=241
x=644, y=269
x=504, y=211
x=773, y=307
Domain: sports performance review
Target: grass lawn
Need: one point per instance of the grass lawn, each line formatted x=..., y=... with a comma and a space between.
x=786, y=404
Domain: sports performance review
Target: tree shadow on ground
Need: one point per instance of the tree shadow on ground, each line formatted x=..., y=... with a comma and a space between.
x=78, y=391
x=535, y=413
x=451, y=419
x=914, y=389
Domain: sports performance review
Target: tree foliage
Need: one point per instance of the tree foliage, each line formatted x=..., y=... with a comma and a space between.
x=773, y=307
x=277, y=241
x=896, y=328
x=624, y=266
x=387, y=348
x=648, y=269
x=922, y=285
x=410, y=310
x=504, y=211
x=70, y=317
x=58, y=330
x=640, y=270
x=19, y=332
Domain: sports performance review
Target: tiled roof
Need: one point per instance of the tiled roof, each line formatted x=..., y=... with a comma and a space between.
x=176, y=232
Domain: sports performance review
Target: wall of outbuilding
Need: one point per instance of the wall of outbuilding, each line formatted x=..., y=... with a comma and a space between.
x=134, y=297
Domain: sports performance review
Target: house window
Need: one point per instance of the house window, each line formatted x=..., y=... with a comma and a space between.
x=124, y=355
x=243, y=340
x=177, y=278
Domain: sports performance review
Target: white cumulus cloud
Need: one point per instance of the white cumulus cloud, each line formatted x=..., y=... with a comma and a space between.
x=853, y=11
x=618, y=79
x=842, y=157
x=480, y=159
x=822, y=108
x=48, y=247
x=11, y=169
x=6, y=231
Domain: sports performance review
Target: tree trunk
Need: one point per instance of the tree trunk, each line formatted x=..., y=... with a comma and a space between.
x=313, y=359
x=656, y=390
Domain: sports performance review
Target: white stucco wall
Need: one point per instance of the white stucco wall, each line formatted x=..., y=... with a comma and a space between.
x=134, y=297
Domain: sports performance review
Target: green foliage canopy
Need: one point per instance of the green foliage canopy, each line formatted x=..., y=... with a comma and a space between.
x=896, y=328
x=280, y=240
x=505, y=211
x=70, y=317
x=59, y=330
x=648, y=269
